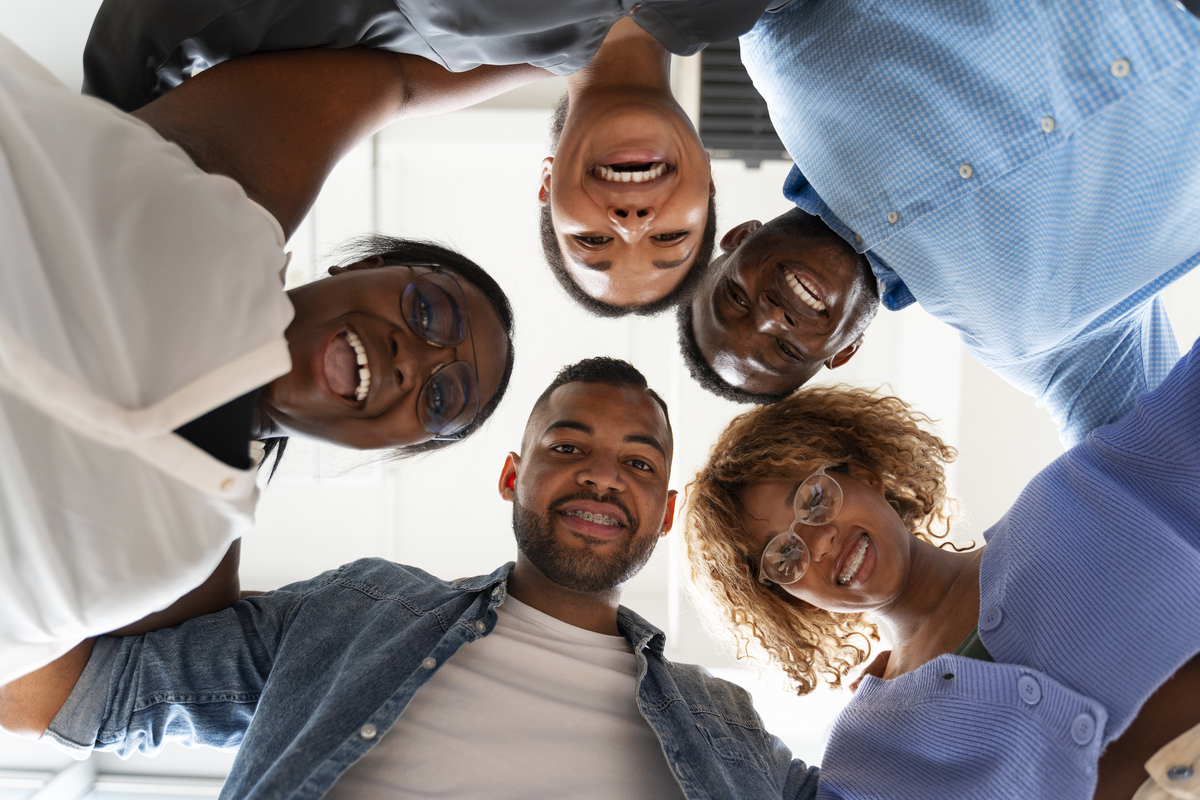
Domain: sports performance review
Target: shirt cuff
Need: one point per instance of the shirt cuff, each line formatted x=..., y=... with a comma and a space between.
x=74, y=729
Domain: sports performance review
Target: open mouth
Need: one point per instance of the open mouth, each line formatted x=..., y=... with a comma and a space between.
x=804, y=288
x=631, y=172
x=347, y=368
x=855, y=562
x=596, y=519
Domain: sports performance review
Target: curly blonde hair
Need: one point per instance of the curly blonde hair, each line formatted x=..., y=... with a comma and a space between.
x=819, y=426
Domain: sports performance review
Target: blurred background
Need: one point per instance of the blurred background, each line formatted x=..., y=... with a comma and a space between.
x=469, y=180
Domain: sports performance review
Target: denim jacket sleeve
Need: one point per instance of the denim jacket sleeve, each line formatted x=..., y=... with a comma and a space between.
x=197, y=683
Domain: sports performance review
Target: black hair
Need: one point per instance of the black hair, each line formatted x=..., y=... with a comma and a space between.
x=704, y=374
x=395, y=251
x=606, y=371
x=558, y=265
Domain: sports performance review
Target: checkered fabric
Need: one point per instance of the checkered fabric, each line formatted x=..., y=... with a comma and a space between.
x=1028, y=172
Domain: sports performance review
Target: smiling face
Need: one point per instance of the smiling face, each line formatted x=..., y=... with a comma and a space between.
x=354, y=321
x=589, y=490
x=780, y=304
x=860, y=561
x=629, y=189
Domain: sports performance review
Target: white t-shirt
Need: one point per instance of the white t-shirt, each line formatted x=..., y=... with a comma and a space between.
x=138, y=293
x=537, y=708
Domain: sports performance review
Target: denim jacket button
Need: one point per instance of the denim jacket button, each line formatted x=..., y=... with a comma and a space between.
x=481, y=626
x=429, y=663
x=367, y=731
x=496, y=591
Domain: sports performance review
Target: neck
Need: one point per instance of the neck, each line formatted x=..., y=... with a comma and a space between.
x=592, y=611
x=941, y=596
x=630, y=59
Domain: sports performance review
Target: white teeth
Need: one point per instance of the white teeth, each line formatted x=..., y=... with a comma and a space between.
x=606, y=173
x=364, y=372
x=855, y=562
x=804, y=290
x=599, y=519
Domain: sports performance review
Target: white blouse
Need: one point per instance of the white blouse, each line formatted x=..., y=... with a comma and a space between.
x=136, y=294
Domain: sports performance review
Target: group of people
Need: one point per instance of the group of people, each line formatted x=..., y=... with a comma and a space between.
x=1029, y=173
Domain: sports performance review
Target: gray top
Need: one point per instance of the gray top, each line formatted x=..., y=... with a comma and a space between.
x=140, y=49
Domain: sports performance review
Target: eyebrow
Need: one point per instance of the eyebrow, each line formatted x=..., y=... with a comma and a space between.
x=635, y=438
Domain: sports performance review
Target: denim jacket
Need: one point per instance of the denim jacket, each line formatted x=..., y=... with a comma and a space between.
x=307, y=678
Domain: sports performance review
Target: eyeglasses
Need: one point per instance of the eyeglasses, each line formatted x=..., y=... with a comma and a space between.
x=785, y=559
x=435, y=309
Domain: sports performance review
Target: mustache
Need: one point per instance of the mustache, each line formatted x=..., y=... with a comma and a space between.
x=611, y=499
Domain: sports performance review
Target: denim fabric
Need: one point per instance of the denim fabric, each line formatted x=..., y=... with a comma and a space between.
x=1028, y=172
x=307, y=678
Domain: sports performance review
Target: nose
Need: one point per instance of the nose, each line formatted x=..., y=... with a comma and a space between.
x=771, y=318
x=414, y=359
x=601, y=473
x=820, y=540
x=631, y=218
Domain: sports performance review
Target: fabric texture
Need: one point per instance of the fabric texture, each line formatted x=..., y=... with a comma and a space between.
x=1089, y=600
x=566, y=699
x=306, y=679
x=122, y=318
x=140, y=49
x=1028, y=172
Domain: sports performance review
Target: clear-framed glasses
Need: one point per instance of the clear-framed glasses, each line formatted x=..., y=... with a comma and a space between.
x=785, y=559
x=435, y=309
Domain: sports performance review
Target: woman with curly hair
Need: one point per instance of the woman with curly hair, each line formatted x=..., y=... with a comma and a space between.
x=1053, y=662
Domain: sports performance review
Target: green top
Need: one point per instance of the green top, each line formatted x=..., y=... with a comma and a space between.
x=972, y=647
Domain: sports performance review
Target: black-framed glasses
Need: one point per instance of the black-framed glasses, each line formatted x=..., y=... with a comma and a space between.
x=435, y=308
x=785, y=558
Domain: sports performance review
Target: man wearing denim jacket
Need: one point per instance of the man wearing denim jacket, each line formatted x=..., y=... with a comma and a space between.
x=378, y=679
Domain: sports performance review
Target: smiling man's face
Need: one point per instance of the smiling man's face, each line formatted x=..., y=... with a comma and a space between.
x=589, y=490
x=779, y=304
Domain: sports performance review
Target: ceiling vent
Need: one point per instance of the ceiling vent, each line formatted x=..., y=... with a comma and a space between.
x=734, y=122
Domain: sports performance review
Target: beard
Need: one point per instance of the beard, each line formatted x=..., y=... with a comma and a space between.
x=581, y=569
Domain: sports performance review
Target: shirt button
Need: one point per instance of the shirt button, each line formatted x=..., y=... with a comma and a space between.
x=1029, y=689
x=892, y=217
x=857, y=239
x=965, y=171
x=1083, y=728
x=429, y=663
x=1120, y=68
x=990, y=618
x=367, y=731
x=1047, y=124
x=226, y=484
x=636, y=8
x=480, y=626
x=882, y=288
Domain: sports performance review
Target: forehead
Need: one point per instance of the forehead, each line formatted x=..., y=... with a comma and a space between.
x=610, y=411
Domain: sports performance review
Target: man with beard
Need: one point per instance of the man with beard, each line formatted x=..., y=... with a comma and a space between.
x=358, y=684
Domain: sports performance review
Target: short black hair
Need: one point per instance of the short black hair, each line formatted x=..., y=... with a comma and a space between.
x=558, y=265
x=704, y=374
x=396, y=251
x=607, y=371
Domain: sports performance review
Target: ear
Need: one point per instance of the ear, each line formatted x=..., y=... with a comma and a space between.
x=867, y=476
x=844, y=355
x=544, y=189
x=508, y=477
x=368, y=263
x=736, y=235
x=669, y=517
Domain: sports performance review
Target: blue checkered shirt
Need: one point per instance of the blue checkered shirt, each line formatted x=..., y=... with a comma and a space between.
x=1028, y=172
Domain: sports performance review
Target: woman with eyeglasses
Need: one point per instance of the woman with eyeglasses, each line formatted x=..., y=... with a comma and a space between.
x=146, y=341
x=1059, y=660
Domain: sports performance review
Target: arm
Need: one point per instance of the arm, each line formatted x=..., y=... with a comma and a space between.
x=278, y=122
x=28, y=704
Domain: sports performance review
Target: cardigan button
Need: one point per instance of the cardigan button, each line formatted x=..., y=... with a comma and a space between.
x=1030, y=690
x=1180, y=773
x=1083, y=728
x=990, y=618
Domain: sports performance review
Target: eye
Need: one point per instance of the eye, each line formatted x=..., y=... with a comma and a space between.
x=566, y=449
x=593, y=241
x=788, y=351
x=638, y=464
x=670, y=237
x=734, y=294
